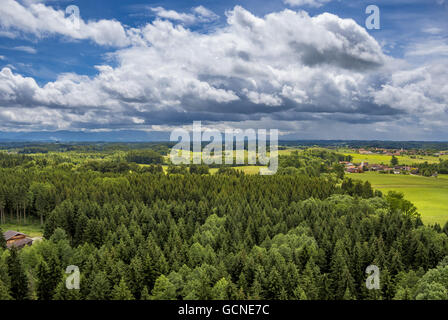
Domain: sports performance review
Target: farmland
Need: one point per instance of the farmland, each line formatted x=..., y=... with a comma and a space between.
x=429, y=195
x=245, y=169
x=385, y=159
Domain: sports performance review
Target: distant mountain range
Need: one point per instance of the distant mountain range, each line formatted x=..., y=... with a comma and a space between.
x=126, y=136
x=81, y=136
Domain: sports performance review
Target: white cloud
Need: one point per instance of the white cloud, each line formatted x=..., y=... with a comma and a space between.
x=428, y=48
x=310, y=3
x=26, y=49
x=251, y=66
x=174, y=15
x=433, y=30
x=199, y=14
x=41, y=21
x=420, y=91
x=285, y=68
x=205, y=13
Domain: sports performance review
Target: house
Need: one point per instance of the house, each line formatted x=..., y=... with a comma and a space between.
x=17, y=239
x=352, y=169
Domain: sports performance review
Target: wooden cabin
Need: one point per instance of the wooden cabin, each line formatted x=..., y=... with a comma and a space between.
x=17, y=239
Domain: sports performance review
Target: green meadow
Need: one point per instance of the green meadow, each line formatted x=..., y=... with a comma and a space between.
x=385, y=159
x=31, y=228
x=429, y=195
x=245, y=169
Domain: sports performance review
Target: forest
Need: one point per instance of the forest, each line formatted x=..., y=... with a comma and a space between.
x=137, y=232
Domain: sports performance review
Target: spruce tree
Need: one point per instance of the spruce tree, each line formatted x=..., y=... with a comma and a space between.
x=220, y=290
x=44, y=292
x=145, y=294
x=62, y=293
x=18, y=278
x=100, y=287
x=2, y=240
x=121, y=292
x=163, y=289
x=4, y=292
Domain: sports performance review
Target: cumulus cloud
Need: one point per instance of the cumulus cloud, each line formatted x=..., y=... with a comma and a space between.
x=199, y=14
x=286, y=68
x=41, y=20
x=421, y=91
x=431, y=47
x=174, y=15
x=253, y=66
x=310, y=3
x=205, y=13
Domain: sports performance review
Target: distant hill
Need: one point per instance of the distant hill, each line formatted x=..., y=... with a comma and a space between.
x=81, y=136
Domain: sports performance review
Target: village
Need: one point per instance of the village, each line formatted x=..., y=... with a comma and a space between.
x=365, y=166
x=394, y=167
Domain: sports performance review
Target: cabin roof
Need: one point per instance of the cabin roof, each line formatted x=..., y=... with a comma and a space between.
x=10, y=233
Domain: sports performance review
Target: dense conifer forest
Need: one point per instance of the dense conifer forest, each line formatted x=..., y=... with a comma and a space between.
x=136, y=232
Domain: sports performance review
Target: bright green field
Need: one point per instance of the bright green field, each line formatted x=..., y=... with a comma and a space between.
x=429, y=195
x=384, y=159
x=245, y=169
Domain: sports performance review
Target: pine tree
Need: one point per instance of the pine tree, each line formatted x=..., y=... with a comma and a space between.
x=19, y=281
x=394, y=161
x=274, y=285
x=340, y=273
x=347, y=295
x=163, y=289
x=4, y=292
x=220, y=290
x=309, y=281
x=43, y=274
x=121, y=292
x=100, y=287
x=145, y=294
x=299, y=293
x=62, y=293
x=135, y=277
x=2, y=240
x=387, y=286
x=48, y=275
x=257, y=290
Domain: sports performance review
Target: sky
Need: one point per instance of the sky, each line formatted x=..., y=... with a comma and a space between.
x=309, y=68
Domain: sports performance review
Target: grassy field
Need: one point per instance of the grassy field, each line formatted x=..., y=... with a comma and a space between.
x=384, y=159
x=429, y=195
x=32, y=230
x=245, y=169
